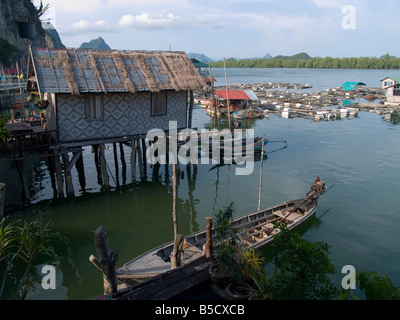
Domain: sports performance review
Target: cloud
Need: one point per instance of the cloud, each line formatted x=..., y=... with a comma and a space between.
x=84, y=26
x=166, y=21
x=146, y=21
x=330, y=3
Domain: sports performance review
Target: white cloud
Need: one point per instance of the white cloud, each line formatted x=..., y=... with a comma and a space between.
x=166, y=21
x=146, y=21
x=330, y=3
x=83, y=26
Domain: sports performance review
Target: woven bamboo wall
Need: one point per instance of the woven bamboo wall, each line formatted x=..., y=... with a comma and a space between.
x=125, y=114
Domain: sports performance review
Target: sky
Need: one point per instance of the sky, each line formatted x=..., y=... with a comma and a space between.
x=232, y=28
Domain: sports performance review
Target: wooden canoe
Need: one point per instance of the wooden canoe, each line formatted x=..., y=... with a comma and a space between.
x=255, y=230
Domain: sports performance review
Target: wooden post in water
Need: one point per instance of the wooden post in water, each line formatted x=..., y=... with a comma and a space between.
x=144, y=154
x=25, y=187
x=133, y=161
x=103, y=167
x=174, y=218
x=80, y=167
x=68, y=177
x=59, y=176
x=106, y=260
x=178, y=239
x=97, y=164
x=207, y=250
x=115, y=151
x=50, y=164
x=122, y=156
x=227, y=96
x=2, y=194
x=176, y=252
x=261, y=173
x=140, y=160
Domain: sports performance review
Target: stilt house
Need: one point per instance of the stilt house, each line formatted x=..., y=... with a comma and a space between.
x=102, y=96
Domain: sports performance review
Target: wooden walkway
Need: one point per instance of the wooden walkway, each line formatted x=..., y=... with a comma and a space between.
x=169, y=284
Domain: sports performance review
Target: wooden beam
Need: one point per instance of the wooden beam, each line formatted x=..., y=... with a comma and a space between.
x=75, y=157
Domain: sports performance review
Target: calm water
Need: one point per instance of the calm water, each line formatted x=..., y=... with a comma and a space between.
x=358, y=217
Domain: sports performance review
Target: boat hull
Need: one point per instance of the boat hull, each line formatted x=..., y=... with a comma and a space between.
x=256, y=230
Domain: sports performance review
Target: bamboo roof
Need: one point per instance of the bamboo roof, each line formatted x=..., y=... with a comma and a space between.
x=89, y=71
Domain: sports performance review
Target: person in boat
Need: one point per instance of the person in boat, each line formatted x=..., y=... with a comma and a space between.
x=318, y=185
x=316, y=188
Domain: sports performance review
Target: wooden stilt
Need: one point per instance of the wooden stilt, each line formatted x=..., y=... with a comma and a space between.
x=80, y=167
x=97, y=164
x=261, y=174
x=52, y=171
x=122, y=156
x=103, y=167
x=140, y=158
x=25, y=188
x=116, y=162
x=133, y=161
x=68, y=177
x=175, y=195
x=106, y=260
x=59, y=176
x=144, y=152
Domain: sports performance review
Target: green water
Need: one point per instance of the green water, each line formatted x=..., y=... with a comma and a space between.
x=358, y=217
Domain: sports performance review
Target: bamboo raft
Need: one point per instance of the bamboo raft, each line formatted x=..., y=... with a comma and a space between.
x=255, y=230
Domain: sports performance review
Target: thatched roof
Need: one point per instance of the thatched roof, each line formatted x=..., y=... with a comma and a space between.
x=80, y=71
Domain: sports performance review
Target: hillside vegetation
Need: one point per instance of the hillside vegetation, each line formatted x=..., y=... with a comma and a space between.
x=302, y=61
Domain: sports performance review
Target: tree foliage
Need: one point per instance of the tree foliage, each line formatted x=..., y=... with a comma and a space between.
x=374, y=287
x=25, y=243
x=6, y=51
x=384, y=62
x=301, y=269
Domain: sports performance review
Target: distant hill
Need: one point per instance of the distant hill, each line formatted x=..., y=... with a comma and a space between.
x=200, y=57
x=267, y=56
x=98, y=43
x=298, y=56
x=48, y=27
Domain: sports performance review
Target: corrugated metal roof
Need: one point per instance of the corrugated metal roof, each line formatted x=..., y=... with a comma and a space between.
x=79, y=71
x=233, y=94
x=251, y=95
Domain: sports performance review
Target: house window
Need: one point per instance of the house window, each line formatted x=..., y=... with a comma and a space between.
x=388, y=83
x=159, y=103
x=396, y=90
x=94, y=107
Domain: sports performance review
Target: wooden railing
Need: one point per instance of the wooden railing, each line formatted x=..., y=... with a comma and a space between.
x=27, y=142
